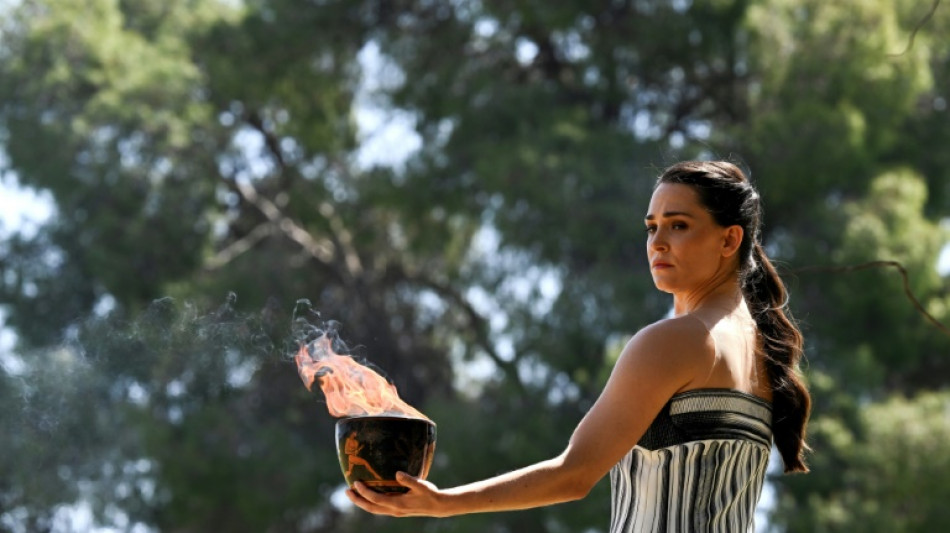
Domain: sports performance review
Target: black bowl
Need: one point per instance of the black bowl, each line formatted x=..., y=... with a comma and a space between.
x=372, y=449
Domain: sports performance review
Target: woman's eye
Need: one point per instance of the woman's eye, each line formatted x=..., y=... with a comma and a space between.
x=678, y=225
x=651, y=229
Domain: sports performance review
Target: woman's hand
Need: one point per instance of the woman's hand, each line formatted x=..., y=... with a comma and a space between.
x=423, y=498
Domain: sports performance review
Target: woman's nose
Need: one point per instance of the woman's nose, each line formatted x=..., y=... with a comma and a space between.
x=658, y=241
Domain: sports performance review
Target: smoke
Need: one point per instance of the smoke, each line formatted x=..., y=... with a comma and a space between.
x=309, y=328
x=127, y=406
x=309, y=325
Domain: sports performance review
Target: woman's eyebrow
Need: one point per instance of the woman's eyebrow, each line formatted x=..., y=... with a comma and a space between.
x=668, y=214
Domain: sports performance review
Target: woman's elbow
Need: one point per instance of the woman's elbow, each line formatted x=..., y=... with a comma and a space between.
x=578, y=483
x=576, y=475
x=578, y=491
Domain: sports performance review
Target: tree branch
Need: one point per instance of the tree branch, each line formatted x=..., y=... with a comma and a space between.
x=273, y=146
x=337, y=249
x=340, y=236
x=319, y=250
x=913, y=35
x=876, y=264
x=240, y=246
x=477, y=322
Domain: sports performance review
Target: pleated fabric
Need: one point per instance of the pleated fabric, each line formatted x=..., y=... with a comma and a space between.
x=700, y=467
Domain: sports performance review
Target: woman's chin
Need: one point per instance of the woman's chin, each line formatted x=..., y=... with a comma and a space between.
x=663, y=286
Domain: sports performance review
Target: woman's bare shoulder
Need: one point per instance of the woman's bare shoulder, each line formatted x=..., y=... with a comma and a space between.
x=664, y=357
x=684, y=332
x=681, y=341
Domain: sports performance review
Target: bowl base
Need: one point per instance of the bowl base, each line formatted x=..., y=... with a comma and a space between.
x=385, y=486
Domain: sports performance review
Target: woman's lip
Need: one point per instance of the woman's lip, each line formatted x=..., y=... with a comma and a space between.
x=661, y=265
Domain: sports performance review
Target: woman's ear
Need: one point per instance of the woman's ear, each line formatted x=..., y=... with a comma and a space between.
x=731, y=240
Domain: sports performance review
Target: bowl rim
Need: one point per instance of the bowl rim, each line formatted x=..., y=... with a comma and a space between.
x=384, y=417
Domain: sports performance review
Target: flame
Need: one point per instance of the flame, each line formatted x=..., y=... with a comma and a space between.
x=350, y=388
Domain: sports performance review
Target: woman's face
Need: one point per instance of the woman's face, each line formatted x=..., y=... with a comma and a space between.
x=687, y=250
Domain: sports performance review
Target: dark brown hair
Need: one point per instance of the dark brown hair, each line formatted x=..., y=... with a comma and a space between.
x=730, y=198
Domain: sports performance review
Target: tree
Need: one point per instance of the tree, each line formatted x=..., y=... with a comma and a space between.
x=140, y=120
x=843, y=138
x=889, y=466
x=196, y=148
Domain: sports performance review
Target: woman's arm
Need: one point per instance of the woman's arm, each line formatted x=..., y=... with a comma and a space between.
x=654, y=365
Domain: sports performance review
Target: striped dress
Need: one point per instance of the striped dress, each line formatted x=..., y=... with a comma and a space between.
x=699, y=467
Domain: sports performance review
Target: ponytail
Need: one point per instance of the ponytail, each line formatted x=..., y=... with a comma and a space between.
x=782, y=345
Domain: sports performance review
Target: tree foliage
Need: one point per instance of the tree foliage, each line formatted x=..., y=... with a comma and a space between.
x=199, y=147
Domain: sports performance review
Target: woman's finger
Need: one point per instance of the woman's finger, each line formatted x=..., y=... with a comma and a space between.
x=367, y=493
x=369, y=500
x=406, y=480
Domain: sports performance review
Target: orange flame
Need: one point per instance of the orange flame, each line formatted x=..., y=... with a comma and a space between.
x=350, y=388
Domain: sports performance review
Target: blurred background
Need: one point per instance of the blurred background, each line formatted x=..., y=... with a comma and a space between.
x=461, y=184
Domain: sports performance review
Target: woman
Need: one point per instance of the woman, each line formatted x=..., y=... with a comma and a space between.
x=686, y=420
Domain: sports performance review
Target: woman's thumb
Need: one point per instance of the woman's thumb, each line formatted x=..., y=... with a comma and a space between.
x=406, y=480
